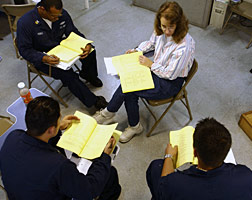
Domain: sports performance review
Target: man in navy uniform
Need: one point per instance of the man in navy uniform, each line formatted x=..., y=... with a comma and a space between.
x=43, y=28
x=32, y=168
x=210, y=179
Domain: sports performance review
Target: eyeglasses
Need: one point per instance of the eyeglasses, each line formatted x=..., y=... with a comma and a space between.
x=170, y=28
x=54, y=15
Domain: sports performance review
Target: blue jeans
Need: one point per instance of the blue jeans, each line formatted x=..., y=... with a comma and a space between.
x=164, y=89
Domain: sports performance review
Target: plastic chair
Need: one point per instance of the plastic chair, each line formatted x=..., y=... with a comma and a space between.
x=14, y=12
x=182, y=96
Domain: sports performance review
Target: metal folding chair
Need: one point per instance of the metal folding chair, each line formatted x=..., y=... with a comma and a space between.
x=182, y=96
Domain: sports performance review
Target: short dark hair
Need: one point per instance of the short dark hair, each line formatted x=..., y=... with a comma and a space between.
x=42, y=113
x=47, y=4
x=173, y=12
x=212, y=142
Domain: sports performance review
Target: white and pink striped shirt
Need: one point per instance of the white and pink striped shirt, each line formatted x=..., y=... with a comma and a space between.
x=171, y=60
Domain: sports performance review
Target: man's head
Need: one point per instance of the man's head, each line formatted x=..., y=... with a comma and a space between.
x=50, y=9
x=211, y=142
x=42, y=113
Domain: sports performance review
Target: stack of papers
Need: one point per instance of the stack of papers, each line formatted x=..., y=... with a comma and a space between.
x=133, y=75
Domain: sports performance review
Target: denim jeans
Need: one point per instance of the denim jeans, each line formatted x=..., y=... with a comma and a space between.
x=163, y=89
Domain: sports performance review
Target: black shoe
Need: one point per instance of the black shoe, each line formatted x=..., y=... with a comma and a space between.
x=96, y=82
x=101, y=103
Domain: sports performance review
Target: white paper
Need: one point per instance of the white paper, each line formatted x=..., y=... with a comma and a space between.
x=67, y=66
x=84, y=165
x=230, y=157
x=109, y=66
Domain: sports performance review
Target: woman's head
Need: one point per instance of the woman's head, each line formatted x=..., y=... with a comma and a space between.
x=171, y=21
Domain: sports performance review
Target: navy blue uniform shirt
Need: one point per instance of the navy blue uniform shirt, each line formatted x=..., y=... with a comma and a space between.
x=33, y=169
x=228, y=182
x=34, y=36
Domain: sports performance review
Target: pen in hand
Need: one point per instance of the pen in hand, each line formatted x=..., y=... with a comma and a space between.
x=50, y=59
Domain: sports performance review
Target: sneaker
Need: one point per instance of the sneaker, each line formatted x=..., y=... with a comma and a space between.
x=101, y=103
x=101, y=118
x=130, y=132
x=96, y=82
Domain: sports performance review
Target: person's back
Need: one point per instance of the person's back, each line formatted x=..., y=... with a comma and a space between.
x=229, y=181
x=32, y=165
x=211, y=179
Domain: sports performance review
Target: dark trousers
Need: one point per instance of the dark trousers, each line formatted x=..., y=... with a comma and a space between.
x=163, y=89
x=71, y=79
x=112, y=189
x=153, y=175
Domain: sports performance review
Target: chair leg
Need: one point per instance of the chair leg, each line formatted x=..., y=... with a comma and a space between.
x=29, y=77
x=226, y=23
x=155, y=118
x=54, y=92
x=161, y=117
x=187, y=105
x=249, y=43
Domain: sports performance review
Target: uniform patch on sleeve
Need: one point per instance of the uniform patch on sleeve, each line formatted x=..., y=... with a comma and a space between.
x=40, y=33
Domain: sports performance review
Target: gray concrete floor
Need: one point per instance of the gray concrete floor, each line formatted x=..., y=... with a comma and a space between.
x=220, y=89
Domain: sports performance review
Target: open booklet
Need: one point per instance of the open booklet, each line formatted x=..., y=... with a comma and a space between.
x=133, y=75
x=87, y=138
x=69, y=50
x=183, y=138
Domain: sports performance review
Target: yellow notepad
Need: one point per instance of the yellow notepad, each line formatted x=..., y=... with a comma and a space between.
x=133, y=75
x=183, y=138
x=87, y=138
x=70, y=47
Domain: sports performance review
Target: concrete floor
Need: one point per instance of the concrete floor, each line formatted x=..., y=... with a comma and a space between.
x=220, y=89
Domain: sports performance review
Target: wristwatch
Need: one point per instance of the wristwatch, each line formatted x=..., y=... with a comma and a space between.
x=168, y=156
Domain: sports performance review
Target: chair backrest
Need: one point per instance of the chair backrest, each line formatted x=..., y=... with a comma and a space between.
x=191, y=73
x=14, y=12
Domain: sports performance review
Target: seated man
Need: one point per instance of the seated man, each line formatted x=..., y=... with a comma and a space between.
x=33, y=169
x=211, y=178
x=42, y=29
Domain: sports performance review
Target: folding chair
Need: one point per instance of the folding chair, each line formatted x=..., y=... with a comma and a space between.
x=182, y=95
x=14, y=12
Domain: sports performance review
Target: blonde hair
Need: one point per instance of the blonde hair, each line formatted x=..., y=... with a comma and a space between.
x=172, y=12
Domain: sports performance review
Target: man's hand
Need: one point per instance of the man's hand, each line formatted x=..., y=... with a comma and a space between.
x=172, y=150
x=67, y=121
x=110, y=145
x=86, y=51
x=145, y=61
x=52, y=60
x=131, y=51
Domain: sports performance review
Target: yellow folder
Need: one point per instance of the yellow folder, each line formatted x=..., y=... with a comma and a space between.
x=87, y=138
x=183, y=138
x=133, y=75
x=70, y=47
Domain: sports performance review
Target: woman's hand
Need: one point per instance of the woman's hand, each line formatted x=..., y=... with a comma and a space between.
x=145, y=61
x=131, y=51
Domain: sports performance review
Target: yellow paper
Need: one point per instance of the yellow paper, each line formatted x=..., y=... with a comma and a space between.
x=133, y=75
x=63, y=53
x=75, y=42
x=183, y=138
x=70, y=47
x=86, y=138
